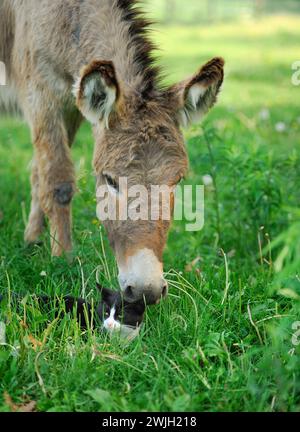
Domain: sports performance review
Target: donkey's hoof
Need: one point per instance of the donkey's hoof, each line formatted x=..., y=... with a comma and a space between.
x=32, y=244
x=33, y=247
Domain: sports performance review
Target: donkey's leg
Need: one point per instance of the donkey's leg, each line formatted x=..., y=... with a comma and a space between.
x=56, y=179
x=36, y=222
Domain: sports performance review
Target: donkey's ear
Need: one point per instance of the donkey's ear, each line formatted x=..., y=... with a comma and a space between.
x=194, y=97
x=97, y=91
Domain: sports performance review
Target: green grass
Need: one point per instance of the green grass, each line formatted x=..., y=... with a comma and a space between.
x=222, y=341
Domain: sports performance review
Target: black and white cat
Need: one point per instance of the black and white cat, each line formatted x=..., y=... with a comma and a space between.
x=119, y=316
x=113, y=314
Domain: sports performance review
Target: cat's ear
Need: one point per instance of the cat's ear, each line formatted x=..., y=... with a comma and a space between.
x=106, y=293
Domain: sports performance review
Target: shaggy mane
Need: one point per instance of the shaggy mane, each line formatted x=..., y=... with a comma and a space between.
x=139, y=38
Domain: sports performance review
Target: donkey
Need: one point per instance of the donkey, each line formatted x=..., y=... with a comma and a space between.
x=67, y=60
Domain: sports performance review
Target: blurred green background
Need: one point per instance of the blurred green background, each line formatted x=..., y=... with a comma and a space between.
x=223, y=339
x=195, y=12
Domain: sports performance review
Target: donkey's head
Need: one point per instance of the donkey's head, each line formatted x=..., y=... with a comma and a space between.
x=139, y=146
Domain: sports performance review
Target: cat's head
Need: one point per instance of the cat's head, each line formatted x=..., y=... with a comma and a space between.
x=119, y=316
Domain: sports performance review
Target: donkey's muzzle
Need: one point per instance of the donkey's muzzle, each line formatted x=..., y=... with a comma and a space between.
x=141, y=278
x=151, y=295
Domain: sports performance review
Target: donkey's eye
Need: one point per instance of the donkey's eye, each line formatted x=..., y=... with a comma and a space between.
x=179, y=180
x=111, y=182
x=177, y=183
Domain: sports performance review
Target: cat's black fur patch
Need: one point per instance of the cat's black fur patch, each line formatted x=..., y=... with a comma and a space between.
x=130, y=314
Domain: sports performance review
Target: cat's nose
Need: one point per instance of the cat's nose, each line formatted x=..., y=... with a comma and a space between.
x=109, y=324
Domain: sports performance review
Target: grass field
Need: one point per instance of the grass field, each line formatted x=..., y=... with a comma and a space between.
x=222, y=341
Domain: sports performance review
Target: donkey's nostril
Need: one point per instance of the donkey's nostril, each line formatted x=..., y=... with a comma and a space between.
x=164, y=291
x=129, y=292
x=151, y=294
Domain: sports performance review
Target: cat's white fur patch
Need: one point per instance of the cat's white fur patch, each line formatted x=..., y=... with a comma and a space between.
x=111, y=324
x=129, y=333
x=114, y=327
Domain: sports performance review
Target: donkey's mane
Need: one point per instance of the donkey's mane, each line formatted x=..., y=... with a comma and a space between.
x=144, y=47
